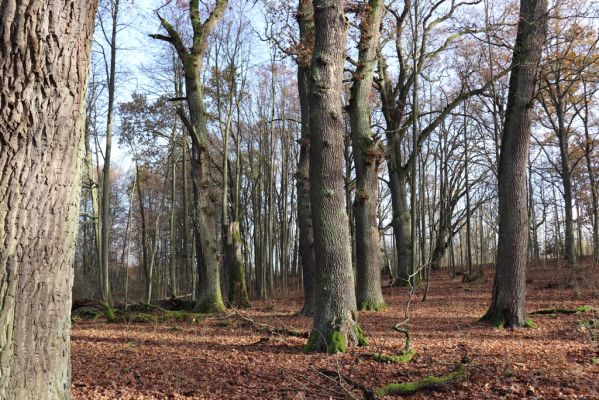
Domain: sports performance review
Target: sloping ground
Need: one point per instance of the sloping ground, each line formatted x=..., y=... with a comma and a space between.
x=225, y=358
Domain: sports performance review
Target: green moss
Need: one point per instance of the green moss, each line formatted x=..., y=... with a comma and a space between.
x=210, y=305
x=494, y=320
x=559, y=310
x=360, y=335
x=595, y=360
x=430, y=382
x=586, y=308
x=372, y=305
x=108, y=312
x=403, y=357
x=236, y=236
x=337, y=343
x=312, y=339
x=590, y=323
x=238, y=294
x=531, y=324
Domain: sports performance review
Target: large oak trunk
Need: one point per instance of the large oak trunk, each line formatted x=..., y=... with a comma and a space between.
x=507, y=304
x=44, y=54
x=335, y=323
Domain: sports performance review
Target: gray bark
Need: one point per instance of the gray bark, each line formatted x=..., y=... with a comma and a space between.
x=304, y=210
x=44, y=54
x=335, y=324
x=368, y=154
x=507, y=304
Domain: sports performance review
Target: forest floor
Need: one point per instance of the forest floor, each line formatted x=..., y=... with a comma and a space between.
x=223, y=357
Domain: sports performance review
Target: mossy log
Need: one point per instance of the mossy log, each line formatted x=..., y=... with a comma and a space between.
x=137, y=313
x=428, y=383
x=560, y=310
x=103, y=308
x=403, y=357
x=157, y=317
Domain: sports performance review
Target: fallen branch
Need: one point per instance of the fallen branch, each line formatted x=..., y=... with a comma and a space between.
x=259, y=326
x=330, y=393
x=369, y=394
x=428, y=383
x=157, y=316
x=406, y=354
x=559, y=310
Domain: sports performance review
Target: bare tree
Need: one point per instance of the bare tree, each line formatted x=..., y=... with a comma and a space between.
x=209, y=298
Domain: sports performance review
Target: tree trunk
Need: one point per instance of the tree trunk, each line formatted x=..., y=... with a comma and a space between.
x=304, y=210
x=401, y=222
x=209, y=298
x=367, y=157
x=588, y=148
x=567, y=191
x=172, y=267
x=507, y=304
x=335, y=325
x=238, y=295
x=106, y=223
x=95, y=204
x=44, y=54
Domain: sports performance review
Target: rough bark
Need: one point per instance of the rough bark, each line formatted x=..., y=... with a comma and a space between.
x=507, y=304
x=368, y=155
x=44, y=54
x=335, y=326
x=304, y=210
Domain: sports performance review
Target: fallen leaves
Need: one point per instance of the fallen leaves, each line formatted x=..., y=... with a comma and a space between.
x=237, y=360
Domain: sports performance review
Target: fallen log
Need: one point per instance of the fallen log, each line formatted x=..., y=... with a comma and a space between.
x=559, y=310
x=428, y=383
